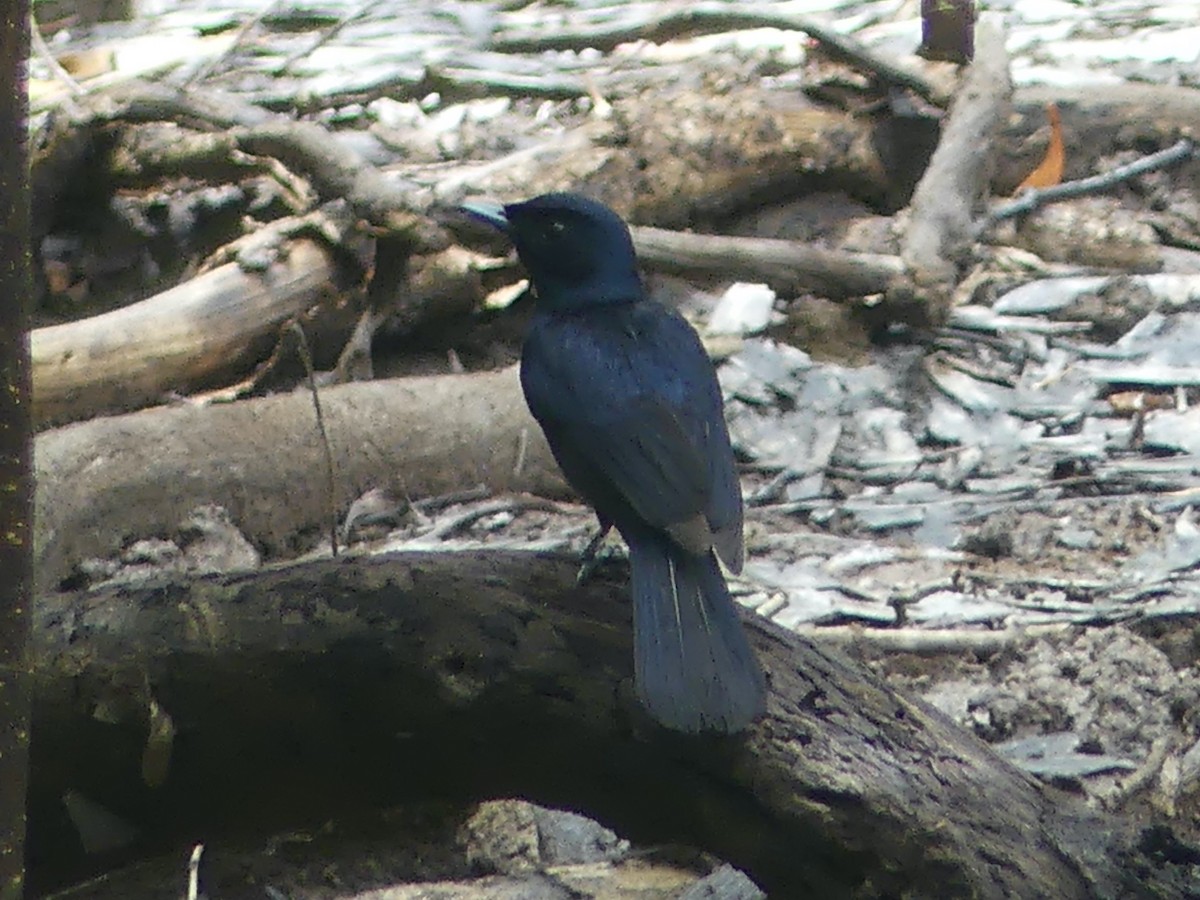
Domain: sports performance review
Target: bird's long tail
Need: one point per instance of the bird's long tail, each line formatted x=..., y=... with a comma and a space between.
x=694, y=668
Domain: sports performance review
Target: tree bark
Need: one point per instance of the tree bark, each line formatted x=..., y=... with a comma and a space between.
x=948, y=205
x=110, y=481
x=371, y=681
x=214, y=326
x=16, y=437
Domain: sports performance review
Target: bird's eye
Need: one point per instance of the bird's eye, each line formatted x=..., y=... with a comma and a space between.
x=557, y=227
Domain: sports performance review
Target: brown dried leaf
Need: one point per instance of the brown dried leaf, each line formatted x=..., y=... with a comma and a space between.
x=1050, y=172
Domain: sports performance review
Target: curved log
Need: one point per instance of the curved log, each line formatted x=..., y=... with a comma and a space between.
x=360, y=682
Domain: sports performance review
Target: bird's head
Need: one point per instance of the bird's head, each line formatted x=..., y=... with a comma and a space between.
x=577, y=251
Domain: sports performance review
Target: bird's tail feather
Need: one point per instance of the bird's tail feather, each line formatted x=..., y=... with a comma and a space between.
x=693, y=665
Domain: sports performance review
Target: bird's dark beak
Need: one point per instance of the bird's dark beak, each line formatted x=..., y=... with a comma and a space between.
x=485, y=211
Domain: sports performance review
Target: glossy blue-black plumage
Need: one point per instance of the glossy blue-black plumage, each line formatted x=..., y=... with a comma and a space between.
x=631, y=408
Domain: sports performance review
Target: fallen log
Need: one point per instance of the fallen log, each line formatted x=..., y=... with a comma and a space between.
x=218, y=323
x=372, y=681
x=106, y=482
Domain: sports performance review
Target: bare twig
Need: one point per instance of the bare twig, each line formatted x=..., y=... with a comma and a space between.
x=201, y=110
x=329, y=469
x=466, y=519
x=43, y=50
x=1145, y=774
x=238, y=39
x=441, y=501
x=336, y=171
x=930, y=641
x=354, y=362
x=1180, y=151
x=193, y=888
x=327, y=35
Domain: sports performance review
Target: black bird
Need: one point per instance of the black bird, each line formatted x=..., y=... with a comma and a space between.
x=631, y=408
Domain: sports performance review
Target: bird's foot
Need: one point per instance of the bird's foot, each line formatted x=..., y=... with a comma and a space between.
x=593, y=555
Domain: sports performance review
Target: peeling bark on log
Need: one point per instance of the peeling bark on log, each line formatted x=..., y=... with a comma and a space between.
x=105, y=482
x=454, y=676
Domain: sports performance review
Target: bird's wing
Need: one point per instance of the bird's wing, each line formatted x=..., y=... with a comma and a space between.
x=637, y=411
x=647, y=457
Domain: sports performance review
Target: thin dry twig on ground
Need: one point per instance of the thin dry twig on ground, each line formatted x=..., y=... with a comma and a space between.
x=931, y=641
x=328, y=35
x=201, y=74
x=1179, y=152
x=74, y=90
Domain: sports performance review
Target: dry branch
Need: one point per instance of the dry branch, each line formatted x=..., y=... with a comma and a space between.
x=948, y=202
x=373, y=681
x=338, y=173
x=219, y=322
x=1095, y=125
x=213, y=329
x=1034, y=198
x=669, y=157
x=787, y=266
x=654, y=161
x=142, y=101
